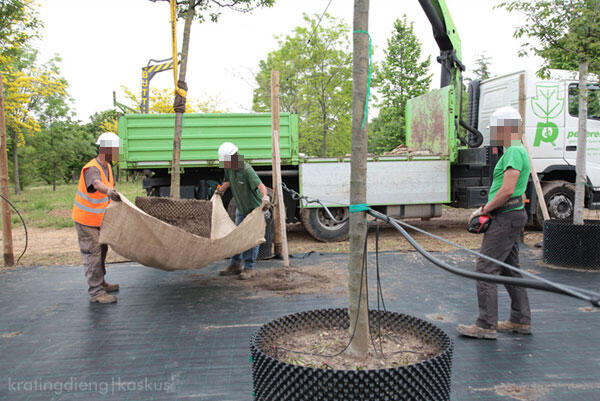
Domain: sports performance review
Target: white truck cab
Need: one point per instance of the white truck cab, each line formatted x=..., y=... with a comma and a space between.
x=551, y=126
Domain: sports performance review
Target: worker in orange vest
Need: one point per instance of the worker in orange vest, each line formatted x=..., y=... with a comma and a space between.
x=94, y=193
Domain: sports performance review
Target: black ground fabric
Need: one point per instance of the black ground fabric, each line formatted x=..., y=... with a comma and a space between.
x=185, y=335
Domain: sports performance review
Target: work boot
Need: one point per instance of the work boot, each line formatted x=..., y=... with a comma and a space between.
x=103, y=298
x=110, y=287
x=511, y=327
x=475, y=331
x=232, y=270
x=247, y=274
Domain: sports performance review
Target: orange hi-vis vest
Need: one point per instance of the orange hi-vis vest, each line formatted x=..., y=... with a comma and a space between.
x=89, y=208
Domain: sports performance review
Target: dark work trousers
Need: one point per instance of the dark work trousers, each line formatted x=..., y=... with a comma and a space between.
x=94, y=256
x=501, y=242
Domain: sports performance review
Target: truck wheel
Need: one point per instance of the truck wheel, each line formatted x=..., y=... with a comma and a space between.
x=560, y=200
x=320, y=226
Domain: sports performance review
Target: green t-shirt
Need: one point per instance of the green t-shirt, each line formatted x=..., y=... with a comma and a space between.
x=515, y=157
x=244, y=186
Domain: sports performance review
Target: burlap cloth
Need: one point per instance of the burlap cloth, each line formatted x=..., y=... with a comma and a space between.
x=138, y=236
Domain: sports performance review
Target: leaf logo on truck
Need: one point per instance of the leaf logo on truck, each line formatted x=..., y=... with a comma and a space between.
x=547, y=105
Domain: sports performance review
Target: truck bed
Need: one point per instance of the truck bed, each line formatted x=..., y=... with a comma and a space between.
x=147, y=139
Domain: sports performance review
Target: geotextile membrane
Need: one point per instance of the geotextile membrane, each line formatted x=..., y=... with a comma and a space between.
x=148, y=240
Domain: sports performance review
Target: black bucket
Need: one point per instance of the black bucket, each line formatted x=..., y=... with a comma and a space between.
x=570, y=245
x=275, y=380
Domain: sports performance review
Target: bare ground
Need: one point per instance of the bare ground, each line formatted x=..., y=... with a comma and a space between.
x=49, y=246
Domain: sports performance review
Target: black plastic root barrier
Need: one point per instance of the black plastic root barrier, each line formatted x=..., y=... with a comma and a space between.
x=274, y=380
x=570, y=245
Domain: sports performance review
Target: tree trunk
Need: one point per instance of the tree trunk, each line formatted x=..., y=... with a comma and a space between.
x=358, y=186
x=324, y=144
x=175, y=176
x=7, y=241
x=15, y=150
x=581, y=146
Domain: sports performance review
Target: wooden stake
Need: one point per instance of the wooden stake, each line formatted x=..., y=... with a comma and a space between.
x=281, y=246
x=9, y=257
x=534, y=176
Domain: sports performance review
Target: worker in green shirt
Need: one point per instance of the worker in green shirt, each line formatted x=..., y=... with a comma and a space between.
x=501, y=240
x=249, y=193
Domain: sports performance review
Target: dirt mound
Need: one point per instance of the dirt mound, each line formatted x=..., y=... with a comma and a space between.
x=290, y=281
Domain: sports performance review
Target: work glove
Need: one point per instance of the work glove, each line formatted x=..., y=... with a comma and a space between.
x=266, y=203
x=114, y=195
x=476, y=213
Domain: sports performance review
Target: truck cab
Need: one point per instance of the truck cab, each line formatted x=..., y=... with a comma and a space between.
x=551, y=124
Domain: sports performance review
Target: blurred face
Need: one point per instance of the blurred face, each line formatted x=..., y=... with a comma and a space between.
x=234, y=162
x=505, y=134
x=110, y=154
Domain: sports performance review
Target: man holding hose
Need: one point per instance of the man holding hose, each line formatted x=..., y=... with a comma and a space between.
x=501, y=241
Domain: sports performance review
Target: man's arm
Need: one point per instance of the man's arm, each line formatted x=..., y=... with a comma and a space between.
x=103, y=188
x=509, y=183
x=263, y=190
x=222, y=188
x=100, y=186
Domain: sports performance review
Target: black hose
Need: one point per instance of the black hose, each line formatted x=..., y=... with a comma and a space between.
x=24, y=226
x=475, y=137
x=503, y=264
x=544, y=286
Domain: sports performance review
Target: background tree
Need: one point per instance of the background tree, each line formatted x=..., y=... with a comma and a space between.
x=403, y=75
x=61, y=149
x=18, y=24
x=28, y=89
x=567, y=30
x=161, y=101
x=315, y=65
x=482, y=67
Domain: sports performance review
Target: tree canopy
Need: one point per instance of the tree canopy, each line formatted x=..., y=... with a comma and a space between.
x=482, y=67
x=402, y=76
x=315, y=66
x=564, y=32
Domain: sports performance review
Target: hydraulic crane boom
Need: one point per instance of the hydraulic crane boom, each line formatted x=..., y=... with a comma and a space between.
x=447, y=39
x=450, y=58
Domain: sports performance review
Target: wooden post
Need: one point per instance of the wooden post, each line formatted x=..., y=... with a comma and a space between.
x=281, y=246
x=9, y=257
x=534, y=176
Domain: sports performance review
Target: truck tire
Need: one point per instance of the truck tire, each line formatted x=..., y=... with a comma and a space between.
x=560, y=200
x=320, y=226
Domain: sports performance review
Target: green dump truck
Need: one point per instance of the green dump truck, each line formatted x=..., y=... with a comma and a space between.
x=409, y=184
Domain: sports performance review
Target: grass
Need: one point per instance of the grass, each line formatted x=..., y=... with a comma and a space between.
x=41, y=207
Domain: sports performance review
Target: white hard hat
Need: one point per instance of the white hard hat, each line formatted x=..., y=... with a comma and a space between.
x=498, y=118
x=227, y=149
x=108, y=140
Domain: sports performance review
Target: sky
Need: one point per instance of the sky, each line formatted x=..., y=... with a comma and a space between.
x=104, y=44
